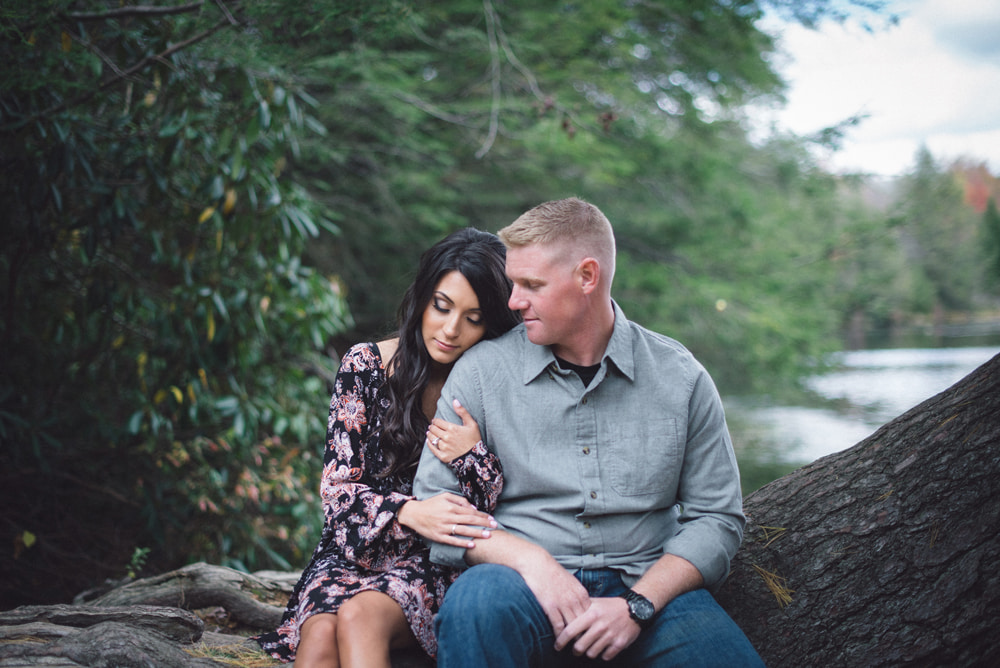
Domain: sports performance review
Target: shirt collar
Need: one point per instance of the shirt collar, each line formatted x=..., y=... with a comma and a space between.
x=619, y=351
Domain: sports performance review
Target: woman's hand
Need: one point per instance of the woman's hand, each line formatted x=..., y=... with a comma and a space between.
x=450, y=441
x=448, y=519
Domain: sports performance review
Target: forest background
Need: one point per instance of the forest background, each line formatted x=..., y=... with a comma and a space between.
x=206, y=202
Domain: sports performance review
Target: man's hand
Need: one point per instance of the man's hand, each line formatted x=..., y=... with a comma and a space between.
x=561, y=595
x=604, y=630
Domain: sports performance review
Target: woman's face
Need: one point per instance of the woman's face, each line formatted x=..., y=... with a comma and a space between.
x=453, y=321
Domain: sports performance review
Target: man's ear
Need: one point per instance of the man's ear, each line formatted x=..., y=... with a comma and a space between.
x=589, y=274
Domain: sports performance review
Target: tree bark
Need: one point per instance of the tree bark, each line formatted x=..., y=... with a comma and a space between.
x=250, y=600
x=106, y=644
x=886, y=553
x=59, y=620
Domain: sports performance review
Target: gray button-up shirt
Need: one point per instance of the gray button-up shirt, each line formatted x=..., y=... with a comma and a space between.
x=614, y=475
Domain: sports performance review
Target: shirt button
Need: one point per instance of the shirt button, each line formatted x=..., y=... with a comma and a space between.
x=586, y=451
x=586, y=525
x=584, y=402
x=593, y=495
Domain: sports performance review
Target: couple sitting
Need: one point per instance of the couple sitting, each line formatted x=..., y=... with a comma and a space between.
x=618, y=501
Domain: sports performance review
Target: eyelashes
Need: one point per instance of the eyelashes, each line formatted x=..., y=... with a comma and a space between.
x=444, y=310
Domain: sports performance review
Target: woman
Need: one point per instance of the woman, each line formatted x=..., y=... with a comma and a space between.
x=370, y=586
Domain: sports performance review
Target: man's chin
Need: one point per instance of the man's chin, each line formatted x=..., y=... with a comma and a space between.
x=537, y=337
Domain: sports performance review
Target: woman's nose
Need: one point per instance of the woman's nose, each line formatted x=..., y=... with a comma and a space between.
x=452, y=326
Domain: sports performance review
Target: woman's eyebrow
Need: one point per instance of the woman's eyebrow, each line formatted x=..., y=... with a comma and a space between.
x=444, y=295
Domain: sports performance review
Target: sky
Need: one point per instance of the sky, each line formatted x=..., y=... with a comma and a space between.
x=933, y=80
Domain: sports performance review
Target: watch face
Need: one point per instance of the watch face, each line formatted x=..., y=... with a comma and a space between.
x=641, y=608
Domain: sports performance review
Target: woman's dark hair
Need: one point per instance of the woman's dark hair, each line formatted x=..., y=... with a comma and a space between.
x=479, y=257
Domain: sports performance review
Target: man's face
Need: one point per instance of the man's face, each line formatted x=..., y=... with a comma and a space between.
x=546, y=292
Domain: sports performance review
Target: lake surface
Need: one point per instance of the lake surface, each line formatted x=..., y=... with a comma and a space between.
x=868, y=389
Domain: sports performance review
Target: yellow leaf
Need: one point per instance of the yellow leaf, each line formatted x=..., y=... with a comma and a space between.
x=191, y=395
x=218, y=241
x=149, y=99
x=206, y=214
x=210, y=323
x=230, y=202
x=140, y=361
x=178, y=395
x=118, y=342
x=203, y=377
x=28, y=538
x=32, y=38
x=159, y=396
x=67, y=41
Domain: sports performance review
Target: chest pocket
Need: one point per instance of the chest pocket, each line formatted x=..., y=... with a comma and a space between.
x=646, y=457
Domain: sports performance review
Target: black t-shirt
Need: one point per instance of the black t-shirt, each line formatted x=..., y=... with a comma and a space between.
x=586, y=373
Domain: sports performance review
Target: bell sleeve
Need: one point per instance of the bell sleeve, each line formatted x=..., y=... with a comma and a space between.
x=361, y=520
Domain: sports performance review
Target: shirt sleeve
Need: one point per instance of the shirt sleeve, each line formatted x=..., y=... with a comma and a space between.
x=362, y=521
x=433, y=476
x=711, y=518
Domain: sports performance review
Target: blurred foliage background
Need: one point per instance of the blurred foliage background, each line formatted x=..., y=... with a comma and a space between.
x=205, y=202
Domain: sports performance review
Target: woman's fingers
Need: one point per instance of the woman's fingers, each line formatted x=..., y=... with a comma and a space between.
x=462, y=413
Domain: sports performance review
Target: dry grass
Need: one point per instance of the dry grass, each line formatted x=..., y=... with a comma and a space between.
x=237, y=654
x=776, y=584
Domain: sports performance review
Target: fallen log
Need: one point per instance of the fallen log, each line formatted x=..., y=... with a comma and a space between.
x=60, y=620
x=886, y=553
x=107, y=643
x=251, y=601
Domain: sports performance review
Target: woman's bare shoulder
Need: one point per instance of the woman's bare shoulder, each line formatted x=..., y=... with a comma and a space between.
x=386, y=349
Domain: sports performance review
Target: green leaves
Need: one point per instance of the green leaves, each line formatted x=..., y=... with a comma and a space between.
x=157, y=310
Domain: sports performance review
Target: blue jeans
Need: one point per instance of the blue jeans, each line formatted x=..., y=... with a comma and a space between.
x=490, y=618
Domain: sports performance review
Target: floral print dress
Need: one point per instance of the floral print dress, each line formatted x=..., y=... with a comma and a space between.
x=363, y=546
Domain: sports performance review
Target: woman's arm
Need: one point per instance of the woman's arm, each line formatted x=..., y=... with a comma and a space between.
x=362, y=520
x=478, y=470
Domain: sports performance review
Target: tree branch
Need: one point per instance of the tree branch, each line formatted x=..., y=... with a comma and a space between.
x=491, y=20
x=141, y=10
x=142, y=64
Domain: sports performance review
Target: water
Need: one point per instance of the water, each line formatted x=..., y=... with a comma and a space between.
x=869, y=388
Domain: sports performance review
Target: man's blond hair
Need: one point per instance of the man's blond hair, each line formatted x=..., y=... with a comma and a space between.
x=579, y=227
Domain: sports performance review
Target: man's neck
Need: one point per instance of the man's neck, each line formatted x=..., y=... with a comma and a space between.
x=587, y=348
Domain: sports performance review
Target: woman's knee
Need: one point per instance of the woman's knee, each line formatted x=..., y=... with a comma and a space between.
x=354, y=615
x=374, y=615
x=318, y=640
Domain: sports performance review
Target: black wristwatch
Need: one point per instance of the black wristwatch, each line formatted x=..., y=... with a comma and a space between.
x=639, y=608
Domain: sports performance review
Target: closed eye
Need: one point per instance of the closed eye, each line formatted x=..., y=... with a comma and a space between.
x=444, y=307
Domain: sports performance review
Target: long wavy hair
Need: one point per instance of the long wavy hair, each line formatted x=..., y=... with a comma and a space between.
x=479, y=256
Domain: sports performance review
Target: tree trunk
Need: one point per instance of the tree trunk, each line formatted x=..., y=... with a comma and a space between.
x=886, y=553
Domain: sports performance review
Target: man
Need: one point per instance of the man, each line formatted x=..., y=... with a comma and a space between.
x=621, y=502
